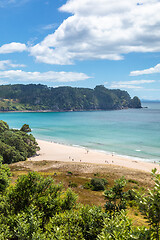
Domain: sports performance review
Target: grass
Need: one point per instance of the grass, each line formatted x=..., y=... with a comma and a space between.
x=76, y=175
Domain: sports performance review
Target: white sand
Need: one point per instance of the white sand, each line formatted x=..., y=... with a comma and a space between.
x=59, y=152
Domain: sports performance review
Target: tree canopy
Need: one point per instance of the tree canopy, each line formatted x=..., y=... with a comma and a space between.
x=40, y=97
x=16, y=145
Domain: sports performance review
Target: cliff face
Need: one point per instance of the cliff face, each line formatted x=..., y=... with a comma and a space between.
x=40, y=97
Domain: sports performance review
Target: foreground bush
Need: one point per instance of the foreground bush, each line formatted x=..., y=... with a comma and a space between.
x=149, y=205
x=4, y=176
x=16, y=145
x=120, y=227
x=36, y=208
x=96, y=184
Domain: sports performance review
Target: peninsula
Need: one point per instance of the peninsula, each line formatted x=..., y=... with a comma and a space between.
x=39, y=97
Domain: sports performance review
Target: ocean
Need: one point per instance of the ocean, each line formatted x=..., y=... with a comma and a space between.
x=128, y=132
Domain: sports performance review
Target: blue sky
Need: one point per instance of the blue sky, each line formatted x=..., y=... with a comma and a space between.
x=82, y=43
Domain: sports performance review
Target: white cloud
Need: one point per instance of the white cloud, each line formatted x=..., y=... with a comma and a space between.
x=151, y=70
x=3, y=82
x=130, y=84
x=152, y=89
x=107, y=29
x=15, y=3
x=136, y=82
x=12, y=47
x=8, y=63
x=49, y=26
x=19, y=75
x=123, y=86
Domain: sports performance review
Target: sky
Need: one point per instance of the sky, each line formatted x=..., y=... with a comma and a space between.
x=82, y=43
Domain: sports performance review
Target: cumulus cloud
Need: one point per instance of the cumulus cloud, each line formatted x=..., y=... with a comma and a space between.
x=130, y=84
x=8, y=64
x=107, y=29
x=3, y=82
x=138, y=82
x=51, y=76
x=15, y=3
x=13, y=47
x=49, y=26
x=151, y=70
x=123, y=86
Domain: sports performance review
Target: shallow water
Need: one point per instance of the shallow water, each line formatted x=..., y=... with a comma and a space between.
x=131, y=132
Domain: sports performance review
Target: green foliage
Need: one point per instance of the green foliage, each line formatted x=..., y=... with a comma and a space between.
x=69, y=200
x=116, y=197
x=98, y=184
x=25, y=128
x=4, y=176
x=40, y=97
x=33, y=189
x=84, y=223
x=93, y=221
x=36, y=208
x=133, y=181
x=67, y=226
x=5, y=233
x=72, y=184
x=149, y=205
x=119, y=227
x=16, y=145
x=3, y=126
x=28, y=225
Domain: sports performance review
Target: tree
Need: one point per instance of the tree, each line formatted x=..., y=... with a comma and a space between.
x=149, y=205
x=119, y=227
x=4, y=176
x=3, y=126
x=98, y=184
x=40, y=97
x=16, y=145
x=25, y=128
x=116, y=197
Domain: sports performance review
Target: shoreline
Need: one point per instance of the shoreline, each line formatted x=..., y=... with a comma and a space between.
x=51, y=151
x=71, y=110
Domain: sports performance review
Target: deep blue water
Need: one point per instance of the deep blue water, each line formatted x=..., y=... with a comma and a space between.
x=131, y=132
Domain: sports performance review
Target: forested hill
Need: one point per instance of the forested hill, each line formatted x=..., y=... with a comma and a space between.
x=34, y=97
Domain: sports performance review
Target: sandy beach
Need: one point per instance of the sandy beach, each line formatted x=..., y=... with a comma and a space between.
x=58, y=152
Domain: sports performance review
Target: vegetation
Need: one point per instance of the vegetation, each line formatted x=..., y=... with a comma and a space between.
x=16, y=145
x=149, y=205
x=4, y=176
x=116, y=197
x=96, y=184
x=37, y=208
x=34, y=97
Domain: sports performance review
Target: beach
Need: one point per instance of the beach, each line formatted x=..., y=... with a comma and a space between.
x=51, y=151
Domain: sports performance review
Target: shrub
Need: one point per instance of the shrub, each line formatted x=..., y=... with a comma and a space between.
x=87, y=185
x=133, y=181
x=72, y=184
x=98, y=184
x=149, y=205
x=119, y=227
x=4, y=176
x=16, y=145
x=25, y=128
x=3, y=126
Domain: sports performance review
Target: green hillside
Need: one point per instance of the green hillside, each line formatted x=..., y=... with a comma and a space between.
x=34, y=97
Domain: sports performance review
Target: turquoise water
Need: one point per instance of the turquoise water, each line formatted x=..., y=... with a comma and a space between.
x=131, y=132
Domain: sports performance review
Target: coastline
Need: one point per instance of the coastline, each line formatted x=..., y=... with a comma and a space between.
x=71, y=110
x=52, y=151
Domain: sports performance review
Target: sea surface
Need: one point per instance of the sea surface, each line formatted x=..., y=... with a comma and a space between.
x=130, y=132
